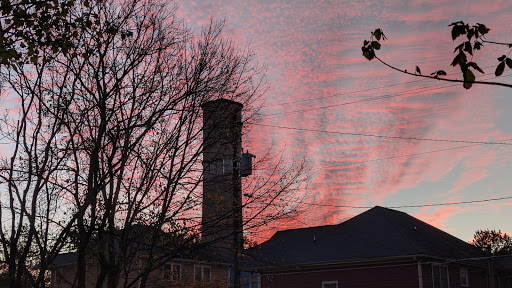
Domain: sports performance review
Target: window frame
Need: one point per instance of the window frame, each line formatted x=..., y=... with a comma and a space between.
x=464, y=272
x=330, y=283
x=58, y=278
x=203, y=278
x=440, y=266
x=255, y=280
x=168, y=274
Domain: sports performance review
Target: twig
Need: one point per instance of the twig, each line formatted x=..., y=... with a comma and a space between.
x=444, y=79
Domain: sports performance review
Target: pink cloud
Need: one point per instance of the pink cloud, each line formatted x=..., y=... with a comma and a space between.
x=312, y=50
x=437, y=216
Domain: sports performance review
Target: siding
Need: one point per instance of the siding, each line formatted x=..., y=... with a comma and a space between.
x=396, y=276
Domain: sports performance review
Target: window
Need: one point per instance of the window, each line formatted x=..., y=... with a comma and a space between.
x=58, y=279
x=227, y=166
x=172, y=271
x=330, y=284
x=248, y=279
x=255, y=280
x=464, y=276
x=202, y=273
x=440, y=276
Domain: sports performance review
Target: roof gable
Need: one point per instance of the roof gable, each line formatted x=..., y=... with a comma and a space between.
x=376, y=233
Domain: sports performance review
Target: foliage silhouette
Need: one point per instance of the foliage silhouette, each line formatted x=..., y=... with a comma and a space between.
x=106, y=137
x=492, y=241
x=475, y=35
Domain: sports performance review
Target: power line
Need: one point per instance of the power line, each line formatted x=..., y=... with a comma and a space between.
x=411, y=206
x=387, y=137
x=387, y=96
x=435, y=87
x=429, y=152
x=341, y=94
x=407, y=155
x=369, y=89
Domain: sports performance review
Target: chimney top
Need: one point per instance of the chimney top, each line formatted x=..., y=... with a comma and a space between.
x=221, y=101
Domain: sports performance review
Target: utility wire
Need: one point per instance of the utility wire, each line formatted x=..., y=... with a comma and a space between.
x=411, y=206
x=384, y=136
x=429, y=152
x=364, y=90
x=404, y=155
x=416, y=90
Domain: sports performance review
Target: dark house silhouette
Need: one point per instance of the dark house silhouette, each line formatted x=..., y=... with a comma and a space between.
x=378, y=248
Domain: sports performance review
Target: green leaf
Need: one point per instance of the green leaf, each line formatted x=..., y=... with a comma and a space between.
x=468, y=48
x=438, y=73
x=377, y=34
x=369, y=54
x=471, y=33
x=456, y=23
x=509, y=62
x=482, y=29
x=460, y=59
x=376, y=45
x=475, y=66
x=34, y=59
x=500, y=69
x=459, y=47
x=469, y=77
x=502, y=58
x=463, y=59
x=455, y=32
x=478, y=45
x=113, y=30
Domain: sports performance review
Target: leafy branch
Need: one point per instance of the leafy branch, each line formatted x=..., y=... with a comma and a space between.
x=475, y=41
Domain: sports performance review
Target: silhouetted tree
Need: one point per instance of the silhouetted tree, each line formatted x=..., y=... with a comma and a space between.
x=475, y=35
x=495, y=242
x=27, y=27
x=106, y=138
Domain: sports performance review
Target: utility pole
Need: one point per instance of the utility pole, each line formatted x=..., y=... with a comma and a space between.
x=490, y=265
x=491, y=272
x=237, y=215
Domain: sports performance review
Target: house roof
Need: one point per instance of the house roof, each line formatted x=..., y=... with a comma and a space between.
x=64, y=259
x=377, y=233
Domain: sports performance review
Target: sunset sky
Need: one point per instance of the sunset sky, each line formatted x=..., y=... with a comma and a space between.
x=320, y=82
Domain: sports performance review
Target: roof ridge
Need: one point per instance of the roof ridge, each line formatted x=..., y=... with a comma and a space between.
x=338, y=224
x=404, y=235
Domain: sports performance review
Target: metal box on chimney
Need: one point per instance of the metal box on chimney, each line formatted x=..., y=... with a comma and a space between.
x=246, y=164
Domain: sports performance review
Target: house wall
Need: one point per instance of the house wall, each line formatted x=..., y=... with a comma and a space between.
x=219, y=276
x=393, y=276
x=477, y=276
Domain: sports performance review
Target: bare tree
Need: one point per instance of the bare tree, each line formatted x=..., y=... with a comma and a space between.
x=106, y=145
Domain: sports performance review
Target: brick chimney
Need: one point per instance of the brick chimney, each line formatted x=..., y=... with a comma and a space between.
x=222, y=189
